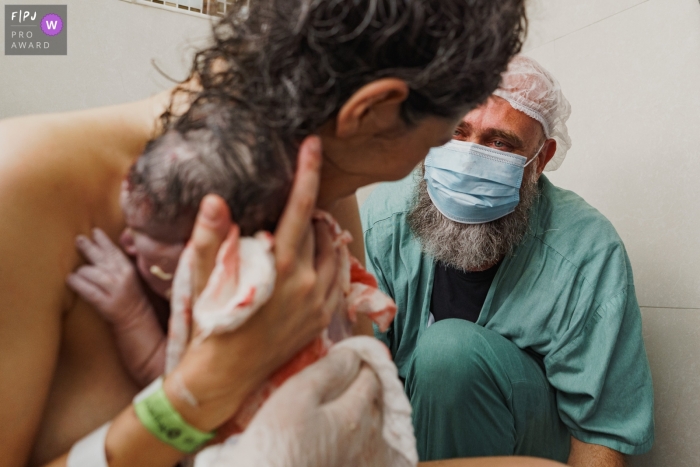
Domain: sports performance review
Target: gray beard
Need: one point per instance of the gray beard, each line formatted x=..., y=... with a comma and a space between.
x=471, y=247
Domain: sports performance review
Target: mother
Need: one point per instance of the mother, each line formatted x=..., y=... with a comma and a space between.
x=381, y=81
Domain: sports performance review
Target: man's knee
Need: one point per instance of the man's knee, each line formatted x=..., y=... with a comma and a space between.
x=453, y=355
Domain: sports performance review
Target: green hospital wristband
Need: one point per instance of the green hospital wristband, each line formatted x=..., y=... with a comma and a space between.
x=159, y=417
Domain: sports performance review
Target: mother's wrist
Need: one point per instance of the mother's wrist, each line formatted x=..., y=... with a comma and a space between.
x=205, y=415
x=209, y=385
x=156, y=412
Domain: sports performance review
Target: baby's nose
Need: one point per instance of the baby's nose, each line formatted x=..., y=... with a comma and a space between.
x=126, y=239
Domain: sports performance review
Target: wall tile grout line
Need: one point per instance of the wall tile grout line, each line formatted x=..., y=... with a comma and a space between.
x=591, y=24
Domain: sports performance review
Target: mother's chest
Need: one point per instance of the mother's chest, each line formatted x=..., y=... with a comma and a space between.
x=90, y=385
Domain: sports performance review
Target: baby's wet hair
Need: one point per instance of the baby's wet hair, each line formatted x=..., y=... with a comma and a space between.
x=217, y=148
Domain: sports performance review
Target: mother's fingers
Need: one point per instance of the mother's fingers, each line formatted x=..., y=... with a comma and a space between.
x=210, y=229
x=295, y=220
x=327, y=258
x=324, y=380
x=360, y=405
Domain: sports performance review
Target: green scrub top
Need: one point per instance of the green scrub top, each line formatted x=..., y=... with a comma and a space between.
x=566, y=293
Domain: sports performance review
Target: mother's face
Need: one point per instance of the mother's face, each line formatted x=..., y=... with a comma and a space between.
x=370, y=142
x=397, y=156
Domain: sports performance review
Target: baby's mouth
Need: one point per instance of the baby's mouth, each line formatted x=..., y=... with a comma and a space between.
x=159, y=273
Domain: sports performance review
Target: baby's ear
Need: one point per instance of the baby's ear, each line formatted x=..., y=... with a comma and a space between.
x=126, y=240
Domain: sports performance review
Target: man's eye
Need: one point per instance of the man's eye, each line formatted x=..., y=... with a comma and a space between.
x=460, y=135
x=499, y=144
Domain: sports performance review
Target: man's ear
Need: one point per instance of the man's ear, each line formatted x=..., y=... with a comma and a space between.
x=374, y=108
x=549, y=149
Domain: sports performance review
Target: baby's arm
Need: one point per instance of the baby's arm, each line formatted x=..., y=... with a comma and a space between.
x=110, y=284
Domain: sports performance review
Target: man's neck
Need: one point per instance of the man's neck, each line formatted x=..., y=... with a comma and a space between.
x=486, y=266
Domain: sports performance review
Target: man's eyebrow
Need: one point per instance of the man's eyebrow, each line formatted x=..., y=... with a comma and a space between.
x=464, y=126
x=509, y=136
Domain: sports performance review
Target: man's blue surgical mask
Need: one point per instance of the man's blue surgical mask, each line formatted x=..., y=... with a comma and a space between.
x=474, y=184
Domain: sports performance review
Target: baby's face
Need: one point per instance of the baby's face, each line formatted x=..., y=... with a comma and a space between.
x=155, y=247
x=156, y=260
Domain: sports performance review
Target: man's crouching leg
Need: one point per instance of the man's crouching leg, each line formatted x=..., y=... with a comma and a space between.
x=475, y=393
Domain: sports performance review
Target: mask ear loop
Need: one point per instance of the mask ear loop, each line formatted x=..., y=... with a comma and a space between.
x=537, y=154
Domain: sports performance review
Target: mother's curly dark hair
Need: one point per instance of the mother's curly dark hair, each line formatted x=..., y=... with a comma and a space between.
x=298, y=61
x=282, y=68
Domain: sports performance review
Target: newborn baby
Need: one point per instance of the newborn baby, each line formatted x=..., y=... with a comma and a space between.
x=160, y=199
x=205, y=153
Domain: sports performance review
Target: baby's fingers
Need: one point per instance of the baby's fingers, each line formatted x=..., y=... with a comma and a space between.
x=97, y=277
x=93, y=253
x=88, y=290
x=109, y=249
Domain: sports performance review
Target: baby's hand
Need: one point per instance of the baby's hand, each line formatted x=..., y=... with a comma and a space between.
x=110, y=282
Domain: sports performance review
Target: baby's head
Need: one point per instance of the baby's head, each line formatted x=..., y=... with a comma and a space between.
x=212, y=149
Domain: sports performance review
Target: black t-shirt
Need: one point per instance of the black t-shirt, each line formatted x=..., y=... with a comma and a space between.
x=458, y=294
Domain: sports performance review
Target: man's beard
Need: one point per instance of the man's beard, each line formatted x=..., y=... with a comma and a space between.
x=471, y=247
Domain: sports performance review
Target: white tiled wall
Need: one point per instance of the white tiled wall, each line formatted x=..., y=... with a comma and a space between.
x=111, y=44
x=673, y=344
x=631, y=69
x=632, y=80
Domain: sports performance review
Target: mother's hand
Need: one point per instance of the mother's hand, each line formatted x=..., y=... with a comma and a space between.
x=225, y=368
x=328, y=415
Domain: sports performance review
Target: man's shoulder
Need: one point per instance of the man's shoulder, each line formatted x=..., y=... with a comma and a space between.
x=387, y=201
x=569, y=224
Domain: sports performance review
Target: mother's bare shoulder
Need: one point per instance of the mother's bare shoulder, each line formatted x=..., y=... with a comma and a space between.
x=59, y=176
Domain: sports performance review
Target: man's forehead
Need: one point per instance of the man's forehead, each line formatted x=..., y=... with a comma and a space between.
x=497, y=114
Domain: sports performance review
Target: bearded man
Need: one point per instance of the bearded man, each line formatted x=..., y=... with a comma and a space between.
x=518, y=330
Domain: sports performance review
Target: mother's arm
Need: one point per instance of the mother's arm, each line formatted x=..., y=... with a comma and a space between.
x=31, y=298
x=56, y=175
